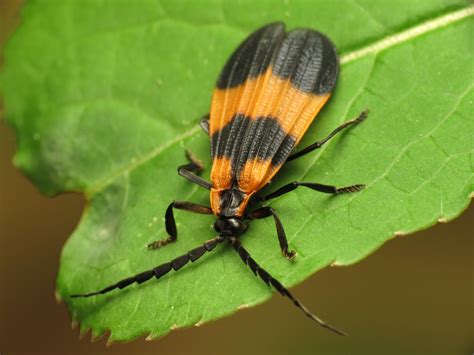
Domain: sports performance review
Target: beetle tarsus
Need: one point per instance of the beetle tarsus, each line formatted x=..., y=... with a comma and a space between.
x=350, y=189
x=157, y=244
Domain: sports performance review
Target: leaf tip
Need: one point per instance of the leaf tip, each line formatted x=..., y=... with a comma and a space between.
x=199, y=323
x=243, y=306
x=83, y=332
x=58, y=297
x=109, y=342
x=97, y=336
x=400, y=234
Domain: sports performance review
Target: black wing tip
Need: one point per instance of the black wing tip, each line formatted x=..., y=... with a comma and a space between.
x=294, y=31
x=239, y=65
x=298, y=31
x=272, y=27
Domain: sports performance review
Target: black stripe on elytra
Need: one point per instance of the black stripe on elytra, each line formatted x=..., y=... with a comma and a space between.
x=252, y=57
x=306, y=57
x=309, y=59
x=245, y=138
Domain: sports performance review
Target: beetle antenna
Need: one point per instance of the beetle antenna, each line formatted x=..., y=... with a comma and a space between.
x=269, y=280
x=160, y=270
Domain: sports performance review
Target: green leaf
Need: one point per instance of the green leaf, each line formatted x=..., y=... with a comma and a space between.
x=106, y=96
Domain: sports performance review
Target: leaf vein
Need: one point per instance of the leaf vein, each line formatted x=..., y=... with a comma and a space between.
x=413, y=32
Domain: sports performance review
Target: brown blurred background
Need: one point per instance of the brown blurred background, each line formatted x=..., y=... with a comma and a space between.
x=413, y=296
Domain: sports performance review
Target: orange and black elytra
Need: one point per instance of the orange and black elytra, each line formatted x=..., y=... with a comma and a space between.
x=270, y=90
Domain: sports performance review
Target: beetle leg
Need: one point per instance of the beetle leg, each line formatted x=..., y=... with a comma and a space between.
x=265, y=212
x=191, y=170
x=171, y=224
x=362, y=116
x=271, y=281
x=204, y=123
x=328, y=189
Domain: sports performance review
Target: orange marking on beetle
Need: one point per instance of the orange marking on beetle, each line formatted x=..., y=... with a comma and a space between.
x=221, y=173
x=255, y=174
x=295, y=110
x=264, y=96
x=227, y=102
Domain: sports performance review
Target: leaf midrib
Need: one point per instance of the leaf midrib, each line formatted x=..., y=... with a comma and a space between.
x=373, y=48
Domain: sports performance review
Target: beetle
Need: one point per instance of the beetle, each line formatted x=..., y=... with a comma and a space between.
x=267, y=95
